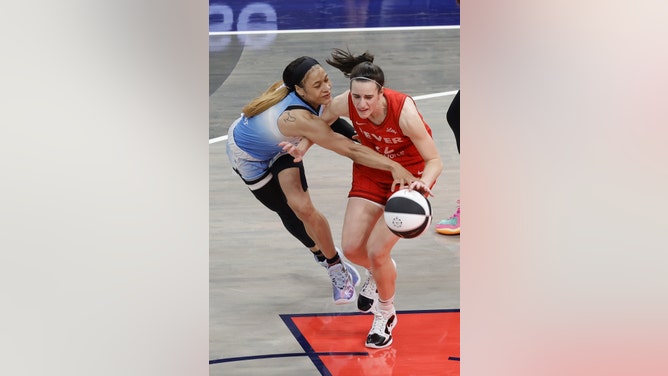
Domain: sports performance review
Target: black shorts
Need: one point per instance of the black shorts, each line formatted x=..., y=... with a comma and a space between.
x=287, y=161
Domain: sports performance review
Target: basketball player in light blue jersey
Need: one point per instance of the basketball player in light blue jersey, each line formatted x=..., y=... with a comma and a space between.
x=286, y=112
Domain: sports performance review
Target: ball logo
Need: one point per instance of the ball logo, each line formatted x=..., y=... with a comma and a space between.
x=407, y=213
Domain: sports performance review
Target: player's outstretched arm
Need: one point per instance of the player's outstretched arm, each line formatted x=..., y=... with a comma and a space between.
x=304, y=124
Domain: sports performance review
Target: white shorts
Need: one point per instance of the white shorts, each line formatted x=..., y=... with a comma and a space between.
x=253, y=171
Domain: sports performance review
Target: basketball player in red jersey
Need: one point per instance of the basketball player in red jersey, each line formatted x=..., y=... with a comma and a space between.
x=388, y=122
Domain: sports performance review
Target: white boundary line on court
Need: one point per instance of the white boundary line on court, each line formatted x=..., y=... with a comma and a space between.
x=217, y=139
x=435, y=95
x=363, y=29
x=417, y=98
x=342, y=30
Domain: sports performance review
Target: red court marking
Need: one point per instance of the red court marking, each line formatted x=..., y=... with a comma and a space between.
x=422, y=344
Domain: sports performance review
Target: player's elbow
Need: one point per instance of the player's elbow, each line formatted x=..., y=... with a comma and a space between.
x=437, y=164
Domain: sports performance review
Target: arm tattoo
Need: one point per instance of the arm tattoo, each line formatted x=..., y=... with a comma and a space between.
x=289, y=117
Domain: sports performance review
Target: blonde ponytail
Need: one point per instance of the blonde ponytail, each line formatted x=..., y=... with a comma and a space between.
x=270, y=97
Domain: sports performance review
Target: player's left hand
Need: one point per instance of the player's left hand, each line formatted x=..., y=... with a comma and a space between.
x=293, y=150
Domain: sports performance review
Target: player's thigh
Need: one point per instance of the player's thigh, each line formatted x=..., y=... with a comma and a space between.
x=359, y=220
x=291, y=185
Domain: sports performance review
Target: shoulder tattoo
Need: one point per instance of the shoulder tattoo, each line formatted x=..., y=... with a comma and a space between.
x=288, y=117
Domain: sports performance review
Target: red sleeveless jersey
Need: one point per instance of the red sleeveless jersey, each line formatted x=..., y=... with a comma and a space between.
x=387, y=139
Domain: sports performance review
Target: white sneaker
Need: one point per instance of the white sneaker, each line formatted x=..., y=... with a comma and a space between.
x=380, y=334
x=368, y=296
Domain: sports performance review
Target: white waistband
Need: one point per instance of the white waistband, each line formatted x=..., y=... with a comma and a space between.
x=261, y=183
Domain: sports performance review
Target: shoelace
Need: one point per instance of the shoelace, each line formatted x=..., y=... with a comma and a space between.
x=369, y=288
x=339, y=278
x=379, y=323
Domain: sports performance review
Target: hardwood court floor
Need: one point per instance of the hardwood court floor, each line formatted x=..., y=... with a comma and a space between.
x=263, y=281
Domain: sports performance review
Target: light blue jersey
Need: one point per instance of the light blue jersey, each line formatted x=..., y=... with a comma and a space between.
x=252, y=143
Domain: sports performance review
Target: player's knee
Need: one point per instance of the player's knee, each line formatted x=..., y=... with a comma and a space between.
x=378, y=259
x=304, y=209
x=351, y=251
x=353, y=248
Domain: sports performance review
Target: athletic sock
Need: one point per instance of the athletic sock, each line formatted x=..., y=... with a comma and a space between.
x=386, y=305
x=319, y=255
x=334, y=260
